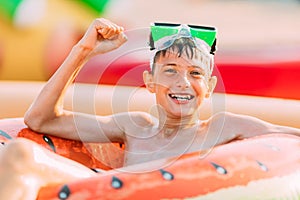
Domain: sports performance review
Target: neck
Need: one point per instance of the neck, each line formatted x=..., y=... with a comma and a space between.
x=178, y=123
x=172, y=126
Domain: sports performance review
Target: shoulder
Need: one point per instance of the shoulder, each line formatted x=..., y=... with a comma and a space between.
x=136, y=118
x=222, y=116
x=143, y=118
x=120, y=125
x=228, y=123
x=231, y=117
x=241, y=125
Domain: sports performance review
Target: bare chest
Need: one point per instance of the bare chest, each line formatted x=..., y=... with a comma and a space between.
x=162, y=145
x=176, y=143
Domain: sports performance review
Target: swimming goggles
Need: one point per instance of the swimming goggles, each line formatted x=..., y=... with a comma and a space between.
x=163, y=35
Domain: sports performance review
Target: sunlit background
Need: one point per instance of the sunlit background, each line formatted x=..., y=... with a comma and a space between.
x=36, y=35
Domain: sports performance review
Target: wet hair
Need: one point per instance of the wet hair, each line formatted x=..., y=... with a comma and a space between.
x=187, y=47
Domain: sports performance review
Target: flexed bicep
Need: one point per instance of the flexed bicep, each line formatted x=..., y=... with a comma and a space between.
x=102, y=36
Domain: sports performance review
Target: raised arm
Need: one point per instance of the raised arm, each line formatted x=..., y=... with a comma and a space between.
x=46, y=114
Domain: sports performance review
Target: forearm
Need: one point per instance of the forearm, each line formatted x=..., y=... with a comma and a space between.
x=49, y=103
x=46, y=112
x=249, y=126
x=287, y=130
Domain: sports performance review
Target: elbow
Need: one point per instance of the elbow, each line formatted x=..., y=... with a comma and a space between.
x=33, y=121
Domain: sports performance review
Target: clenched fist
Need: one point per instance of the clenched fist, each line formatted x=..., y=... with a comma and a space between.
x=102, y=36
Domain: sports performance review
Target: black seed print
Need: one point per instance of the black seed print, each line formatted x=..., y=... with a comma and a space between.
x=4, y=134
x=64, y=193
x=116, y=183
x=49, y=141
x=97, y=170
x=262, y=166
x=220, y=169
x=166, y=175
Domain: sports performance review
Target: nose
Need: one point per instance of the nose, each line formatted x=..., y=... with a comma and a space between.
x=183, y=81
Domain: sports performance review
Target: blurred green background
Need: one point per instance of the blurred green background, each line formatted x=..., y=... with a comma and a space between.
x=36, y=35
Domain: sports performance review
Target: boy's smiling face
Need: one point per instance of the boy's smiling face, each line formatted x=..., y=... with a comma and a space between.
x=180, y=83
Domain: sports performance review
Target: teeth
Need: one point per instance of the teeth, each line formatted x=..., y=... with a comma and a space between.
x=181, y=97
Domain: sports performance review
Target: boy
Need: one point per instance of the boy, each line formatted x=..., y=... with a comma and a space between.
x=180, y=78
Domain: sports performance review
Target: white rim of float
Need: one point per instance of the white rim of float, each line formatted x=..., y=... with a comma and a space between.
x=285, y=187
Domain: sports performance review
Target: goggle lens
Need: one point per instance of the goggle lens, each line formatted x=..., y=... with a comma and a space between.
x=205, y=33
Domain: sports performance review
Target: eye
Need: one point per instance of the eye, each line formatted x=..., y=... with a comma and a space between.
x=196, y=73
x=170, y=70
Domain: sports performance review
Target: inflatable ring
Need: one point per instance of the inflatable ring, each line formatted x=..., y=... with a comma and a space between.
x=111, y=154
x=263, y=167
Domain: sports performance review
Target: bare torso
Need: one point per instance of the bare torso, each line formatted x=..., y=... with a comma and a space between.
x=152, y=143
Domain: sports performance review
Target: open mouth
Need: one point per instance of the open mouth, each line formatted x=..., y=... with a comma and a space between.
x=181, y=97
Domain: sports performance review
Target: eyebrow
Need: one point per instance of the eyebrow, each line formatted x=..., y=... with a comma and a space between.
x=195, y=66
x=190, y=66
x=168, y=64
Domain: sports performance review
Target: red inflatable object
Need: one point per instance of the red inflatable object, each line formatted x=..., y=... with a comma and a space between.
x=262, y=167
x=108, y=156
x=238, y=170
x=253, y=74
x=78, y=151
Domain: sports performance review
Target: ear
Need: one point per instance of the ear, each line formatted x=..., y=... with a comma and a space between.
x=211, y=86
x=148, y=80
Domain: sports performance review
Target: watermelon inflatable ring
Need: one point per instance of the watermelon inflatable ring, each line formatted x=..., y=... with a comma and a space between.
x=263, y=167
